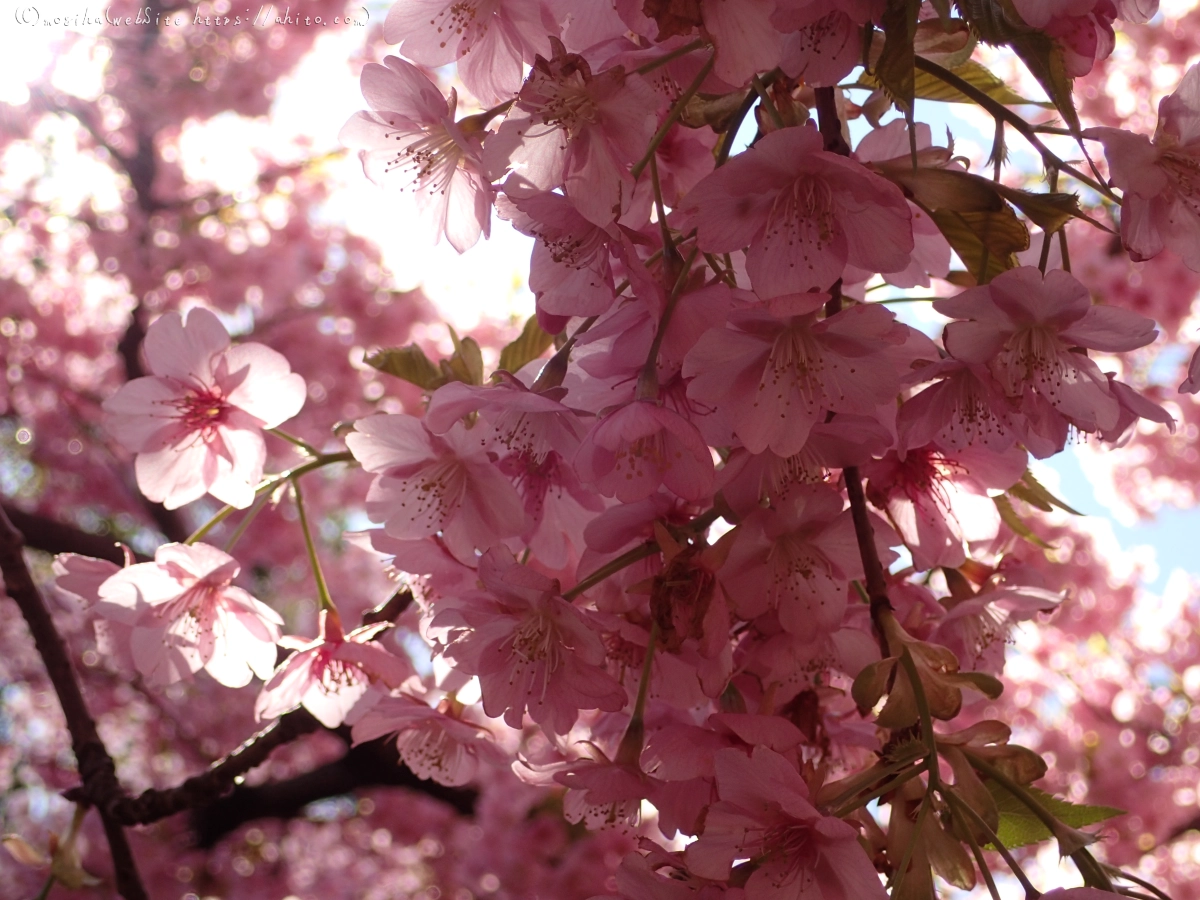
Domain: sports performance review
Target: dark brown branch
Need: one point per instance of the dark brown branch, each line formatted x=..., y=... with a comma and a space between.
x=830, y=127
x=370, y=764
x=875, y=577
x=50, y=536
x=152, y=805
x=828, y=122
x=206, y=790
x=96, y=768
x=391, y=609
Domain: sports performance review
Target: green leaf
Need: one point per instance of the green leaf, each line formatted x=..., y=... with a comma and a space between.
x=1009, y=517
x=997, y=22
x=985, y=241
x=930, y=87
x=959, y=191
x=945, y=189
x=1020, y=827
x=1048, y=212
x=1034, y=493
x=531, y=344
x=894, y=70
x=466, y=365
x=408, y=363
x=1047, y=62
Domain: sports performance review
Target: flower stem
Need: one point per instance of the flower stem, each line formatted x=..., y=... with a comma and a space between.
x=269, y=484
x=630, y=750
x=733, y=127
x=247, y=519
x=640, y=552
x=326, y=602
x=766, y=103
x=672, y=117
x=906, y=859
x=292, y=439
x=648, y=381
x=626, y=559
x=903, y=777
x=1031, y=893
x=1000, y=111
x=45, y=891
x=649, y=67
x=914, y=677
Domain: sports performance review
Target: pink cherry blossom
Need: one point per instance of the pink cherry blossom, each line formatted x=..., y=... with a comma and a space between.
x=1024, y=326
x=523, y=421
x=1083, y=28
x=329, y=675
x=797, y=559
x=196, y=421
x=79, y=578
x=604, y=794
x=938, y=500
x=804, y=213
x=887, y=149
x=978, y=628
x=640, y=878
x=749, y=481
x=184, y=614
x=531, y=649
x=1161, y=203
x=409, y=141
x=570, y=272
x=641, y=445
x=825, y=39
x=745, y=41
x=776, y=373
x=1133, y=406
x=577, y=131
x=489, y=38
x=434, y=743
x=764, y=814
x=430, y=483
x=966, y=407
x=557, y=505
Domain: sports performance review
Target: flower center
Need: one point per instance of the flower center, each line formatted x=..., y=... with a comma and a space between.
x=803, y=213
x=1184, y=171
x=428, y=162
x=202, y=411
x=796, y=369
x=461, y=20
x=785, y=843
x=567, y=105
x=1033, y=355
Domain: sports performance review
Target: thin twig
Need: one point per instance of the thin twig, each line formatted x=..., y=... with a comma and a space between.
x=1002, y=112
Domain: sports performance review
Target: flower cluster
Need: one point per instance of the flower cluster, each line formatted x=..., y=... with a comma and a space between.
x=725, y=549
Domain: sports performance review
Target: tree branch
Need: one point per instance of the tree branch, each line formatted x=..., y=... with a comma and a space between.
x=96, y=768
x=50, y=536
x=371, y=764
x=830, y=127
x=828, y=122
